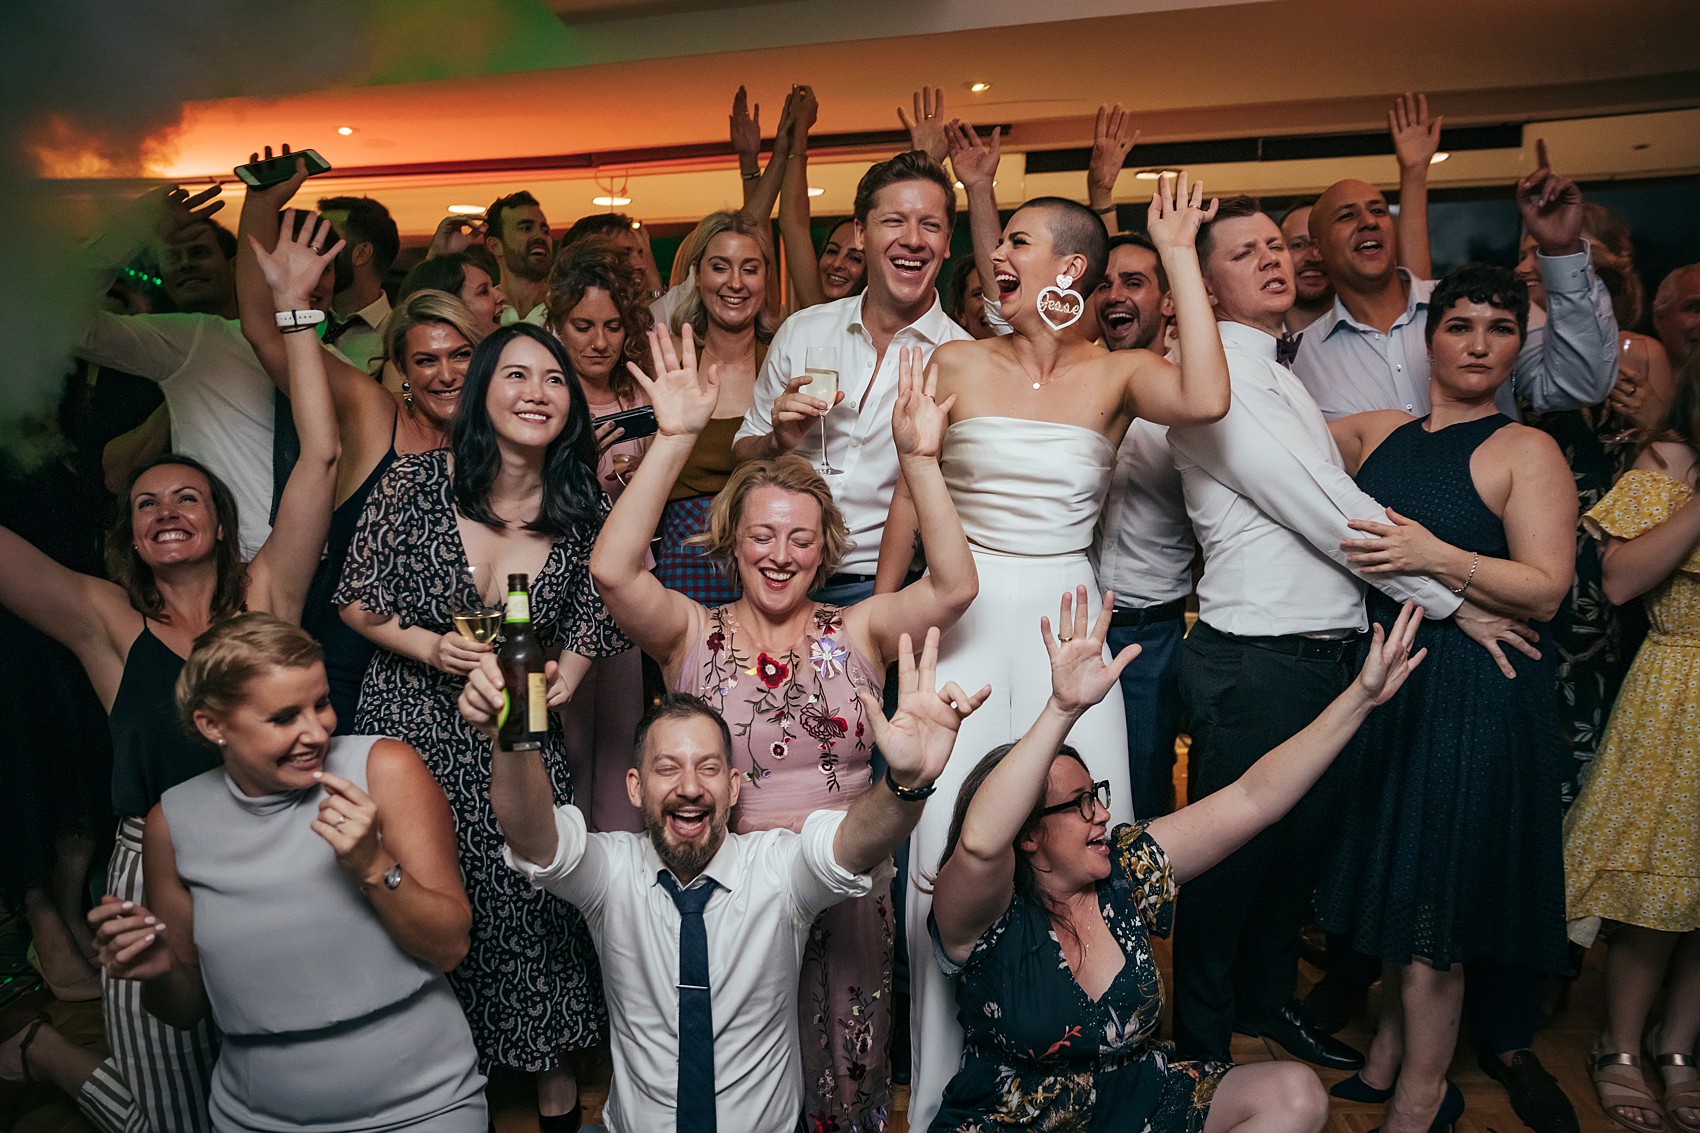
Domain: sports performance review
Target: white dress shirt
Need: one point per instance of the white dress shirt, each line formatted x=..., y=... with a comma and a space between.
x=1351, y=367
x=1270, y=499
x=858, y=429
x=1145, y=545
x=773, y=884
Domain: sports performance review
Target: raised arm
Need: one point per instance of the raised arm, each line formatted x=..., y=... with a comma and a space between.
x=926, y=129
x=1572, y=361
x=1540, y=525
x=941, y=596
x=402, y=819
x=1113, y=138
x=802, y=266
x=1196, y=391
x=85, y=614
x=520, y=791
x=658, y=620
x=1196, y=837
x=975, y=164
x=1416, y=139
x=916, y=742
x=283, y=568
x=761, y=186
x=976, y=880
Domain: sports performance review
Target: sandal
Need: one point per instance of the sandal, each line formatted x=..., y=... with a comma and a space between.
x=1620, y=1085
x=15, y=1021
x=1679, y=1095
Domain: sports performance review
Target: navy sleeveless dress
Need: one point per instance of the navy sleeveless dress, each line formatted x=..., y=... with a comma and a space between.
x=1450, y=848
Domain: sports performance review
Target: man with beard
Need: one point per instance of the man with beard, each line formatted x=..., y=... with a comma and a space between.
x=517, y=235
x=1144, y=546
x=359, y=305
x=702, y=931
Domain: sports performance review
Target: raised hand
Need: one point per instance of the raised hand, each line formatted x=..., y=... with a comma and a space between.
x=1080, y=677
x=805, y=109
x=974, y=162
x=348, y=820
x=745, y=128
x=1176, y=211
x=1416, y=136
x=926, y=129
x=1113, y=138
x=274, y=197
x=918, y=421
x=683, y=396
x=916, y=741
x=174, y=214
x=1551, y=205
x=1390, y=660
x=129, y=940
x=457, y=234
x=296, y=265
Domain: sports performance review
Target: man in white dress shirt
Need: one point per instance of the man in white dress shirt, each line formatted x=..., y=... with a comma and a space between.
x=756, y=897
x=1368, y=352
x=905, y=208
x=1279, y=613
x=1144, y=545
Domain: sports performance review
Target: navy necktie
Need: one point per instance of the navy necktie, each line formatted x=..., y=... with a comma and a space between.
x=695, y=1103
x=1287, y=348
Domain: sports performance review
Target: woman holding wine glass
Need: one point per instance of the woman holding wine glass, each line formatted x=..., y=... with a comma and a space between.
x=784, y=671
x=179, y=570
x=515, y=491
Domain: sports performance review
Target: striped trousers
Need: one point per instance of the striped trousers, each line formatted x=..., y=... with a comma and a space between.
x=157, y=1078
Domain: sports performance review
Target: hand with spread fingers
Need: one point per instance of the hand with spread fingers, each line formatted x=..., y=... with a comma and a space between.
x=175, y=214
x=129, y=940
x=926, y=129
x=974, y=162
x=1080, y=677
x=683, y=396
x=918, y=738
x=1390, y=661
x=1177, y=210
x=1416, y=136
x=1113, y=138
x=294, y=268
x=1493, y=632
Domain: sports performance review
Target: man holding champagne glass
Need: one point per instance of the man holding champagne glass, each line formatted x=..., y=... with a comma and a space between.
x=842, y=356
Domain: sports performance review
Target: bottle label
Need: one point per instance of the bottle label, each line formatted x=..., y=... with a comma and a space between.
x=537, y=697
x=519, y=606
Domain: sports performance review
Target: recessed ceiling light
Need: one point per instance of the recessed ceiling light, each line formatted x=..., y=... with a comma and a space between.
x=979, y=88
x=467, y=210
x=1154, y=174
x=610, y=202
x=1439, y=157
x=816, y=191
x=345, y=130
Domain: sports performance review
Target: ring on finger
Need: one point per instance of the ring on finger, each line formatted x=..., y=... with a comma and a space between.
x=1064, y=639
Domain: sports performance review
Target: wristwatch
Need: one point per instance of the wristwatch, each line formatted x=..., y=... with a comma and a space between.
x=391, y=879
x=299, y=320
x=909, y=794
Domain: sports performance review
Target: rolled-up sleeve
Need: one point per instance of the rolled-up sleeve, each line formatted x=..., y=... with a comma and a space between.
x=815, y=879
x=579, y=871
x=1572, y=361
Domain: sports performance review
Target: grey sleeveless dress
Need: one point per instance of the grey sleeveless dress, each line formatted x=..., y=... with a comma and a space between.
x=328, y=1024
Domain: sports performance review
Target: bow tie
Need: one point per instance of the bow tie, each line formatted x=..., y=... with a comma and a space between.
x=1287, y=348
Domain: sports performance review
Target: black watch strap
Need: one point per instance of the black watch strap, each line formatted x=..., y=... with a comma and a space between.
x=909, y=794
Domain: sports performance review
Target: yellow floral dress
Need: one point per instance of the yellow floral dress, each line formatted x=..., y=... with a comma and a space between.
x=1632, y=841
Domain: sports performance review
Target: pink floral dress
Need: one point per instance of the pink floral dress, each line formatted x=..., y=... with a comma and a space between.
x=801, y=743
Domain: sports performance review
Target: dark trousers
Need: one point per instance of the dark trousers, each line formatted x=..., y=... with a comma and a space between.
x=1151, y=698
x=1237, y=924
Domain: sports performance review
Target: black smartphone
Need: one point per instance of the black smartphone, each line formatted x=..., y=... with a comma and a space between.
x=635, y=424
x=269, y=171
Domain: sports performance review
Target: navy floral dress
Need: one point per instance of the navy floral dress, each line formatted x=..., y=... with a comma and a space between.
x=1040, y=1053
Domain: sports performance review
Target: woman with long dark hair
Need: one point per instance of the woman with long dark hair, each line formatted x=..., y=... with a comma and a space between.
x=515, y=491
x=177, y=569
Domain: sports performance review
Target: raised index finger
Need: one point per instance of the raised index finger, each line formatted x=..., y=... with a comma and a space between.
x=1542, y=161
x=338, y=786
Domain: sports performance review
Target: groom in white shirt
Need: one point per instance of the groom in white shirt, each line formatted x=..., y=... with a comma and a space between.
x=1279, y=614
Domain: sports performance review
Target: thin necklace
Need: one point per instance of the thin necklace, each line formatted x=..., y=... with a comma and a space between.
x=1037, y=384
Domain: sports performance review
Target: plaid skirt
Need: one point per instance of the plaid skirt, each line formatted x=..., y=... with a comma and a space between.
x=685, y=568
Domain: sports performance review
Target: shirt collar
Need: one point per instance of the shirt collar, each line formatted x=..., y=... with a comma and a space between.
x=374, y=313
x=1416, y=296
x=1240, y=336
x=934, y=326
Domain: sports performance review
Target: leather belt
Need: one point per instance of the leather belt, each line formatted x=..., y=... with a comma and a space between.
x=1136, y=617
x=1293, y=644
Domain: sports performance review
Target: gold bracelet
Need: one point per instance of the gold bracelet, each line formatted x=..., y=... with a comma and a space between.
x=1475, y=561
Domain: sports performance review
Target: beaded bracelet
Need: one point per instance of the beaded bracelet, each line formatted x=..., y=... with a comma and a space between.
x=1475, y=561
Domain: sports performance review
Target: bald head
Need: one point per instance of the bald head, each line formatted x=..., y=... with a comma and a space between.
x=1352, y=227
x=1676, y=313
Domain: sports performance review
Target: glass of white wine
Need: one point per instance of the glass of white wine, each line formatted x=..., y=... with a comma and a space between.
x=474, y=603
x=820, y=363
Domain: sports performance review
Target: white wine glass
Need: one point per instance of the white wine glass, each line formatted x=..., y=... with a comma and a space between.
x=474, y=603
x=1632, y=367
x=820, y=363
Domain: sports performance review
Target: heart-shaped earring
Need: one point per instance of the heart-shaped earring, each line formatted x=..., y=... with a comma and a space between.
x=1061, y=306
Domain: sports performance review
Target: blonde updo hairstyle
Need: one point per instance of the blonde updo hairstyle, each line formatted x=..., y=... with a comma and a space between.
x=232, y=653
x=790, y=473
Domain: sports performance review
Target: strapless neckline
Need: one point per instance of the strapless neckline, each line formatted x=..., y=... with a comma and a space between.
x=996, y=417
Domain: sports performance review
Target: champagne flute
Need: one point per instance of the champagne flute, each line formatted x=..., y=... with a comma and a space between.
x=472, y=604
x=820, y=363
x=1632, y=367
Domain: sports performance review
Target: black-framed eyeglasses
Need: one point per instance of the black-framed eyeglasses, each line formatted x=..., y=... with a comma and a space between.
x=1085, y=802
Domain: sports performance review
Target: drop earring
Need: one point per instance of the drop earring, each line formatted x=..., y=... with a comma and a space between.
x=1060, y=305
x=407, y=393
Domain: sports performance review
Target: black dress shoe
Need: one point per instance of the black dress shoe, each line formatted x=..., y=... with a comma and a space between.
x=1288, y=1029
x=1535, y=1094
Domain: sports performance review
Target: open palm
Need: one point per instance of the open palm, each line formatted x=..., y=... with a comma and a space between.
x=683, y=396
x=917, y=740
x=918, y=421
x=293, y=269
x=1080, y=677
